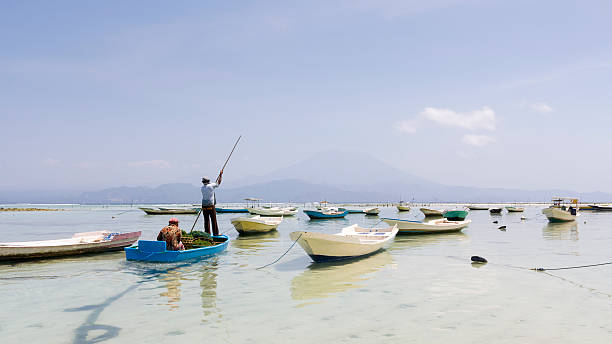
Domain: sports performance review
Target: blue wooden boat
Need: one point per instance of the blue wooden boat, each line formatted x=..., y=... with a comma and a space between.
x=231, y=210
x=155, y=251
x=317, y=214
x=352, y=211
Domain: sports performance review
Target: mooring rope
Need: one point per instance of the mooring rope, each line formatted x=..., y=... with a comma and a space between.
x=571, y=267
x=279, y=258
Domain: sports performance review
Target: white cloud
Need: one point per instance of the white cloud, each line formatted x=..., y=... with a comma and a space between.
x=150, y=164
x=477, y=140
x=541, y=107
x=478, y=119
x=406, y=126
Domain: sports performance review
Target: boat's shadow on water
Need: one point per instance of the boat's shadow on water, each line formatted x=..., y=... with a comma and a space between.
x=561, y=231
x=405, y=241
x=252, y=243
x=322, y=280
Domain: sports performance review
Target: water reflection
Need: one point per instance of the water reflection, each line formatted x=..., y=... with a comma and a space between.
x=254, y=243
x=208, y=283
x=561, y=231
x=173, y=287
x=416, y=241
x=322, y=280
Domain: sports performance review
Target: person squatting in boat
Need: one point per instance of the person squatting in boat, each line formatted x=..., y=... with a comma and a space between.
x=171, y=234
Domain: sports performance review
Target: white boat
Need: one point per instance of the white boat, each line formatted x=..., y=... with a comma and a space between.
x=273, y=211
x=477, y=207
x=433, y=226
x=563, y=209
x=402, y=206
x=169, y=211
x=80, y=243
x=512, y=209
x=431, y=212
x=371, y=211
x=351, y=242
x=256, y=224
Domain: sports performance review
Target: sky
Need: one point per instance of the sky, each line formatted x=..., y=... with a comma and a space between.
x=512, y=94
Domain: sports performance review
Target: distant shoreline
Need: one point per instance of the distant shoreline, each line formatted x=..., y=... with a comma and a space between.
x=29, y=209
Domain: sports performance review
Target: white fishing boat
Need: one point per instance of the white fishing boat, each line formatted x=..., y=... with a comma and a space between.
x=351, y=242
x=169, y=211
x=256, y=224
x=431, y=212
x=563, y=209
x=273, y=211
x=477, y=207
x=433, y=226
x=371, y=211
x=403, y=206
x=80, y=243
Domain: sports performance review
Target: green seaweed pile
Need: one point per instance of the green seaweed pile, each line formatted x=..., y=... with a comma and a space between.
x=199, y=239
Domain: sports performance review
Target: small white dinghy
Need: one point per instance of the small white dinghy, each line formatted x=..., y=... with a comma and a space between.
x=371, y=211
x=431, y=212
x=80, y=243
x=256, y=224
x=274, y=211
x=351, y=242
x=433, y=226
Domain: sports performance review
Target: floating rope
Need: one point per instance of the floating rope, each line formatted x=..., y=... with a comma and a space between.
x=571, y=267
x=279, y=258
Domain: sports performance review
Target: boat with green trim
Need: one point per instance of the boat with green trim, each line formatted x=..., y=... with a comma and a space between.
x=455, y=215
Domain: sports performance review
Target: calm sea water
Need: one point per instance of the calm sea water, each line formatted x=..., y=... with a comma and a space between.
x=422, y=289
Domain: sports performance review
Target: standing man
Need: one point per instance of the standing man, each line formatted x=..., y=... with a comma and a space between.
x=208, y=204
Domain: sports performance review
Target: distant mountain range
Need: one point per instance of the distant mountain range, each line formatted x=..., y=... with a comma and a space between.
x=330, y=176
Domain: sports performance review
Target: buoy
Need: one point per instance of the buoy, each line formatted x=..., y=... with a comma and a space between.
x=523, y=218
x=503, y=228
x=495, y=221
x=478, y=259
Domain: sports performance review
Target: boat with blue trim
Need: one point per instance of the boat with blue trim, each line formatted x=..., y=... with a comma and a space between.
x=351, y=242
x=231, y=210
x=155, y=251
x=329, y=213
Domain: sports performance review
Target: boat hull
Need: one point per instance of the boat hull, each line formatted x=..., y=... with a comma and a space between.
x=430, y=227
x=155, y=251
x=372, y=211
x=558, y=215
x=495, y=210
x=431, y=212
x=271, y=212
x=323, y=247
x=473, y=207
x=246, y=225
x=456, y=215
x=159, y=211
x=315, y=214
x=231, y=210
x=515, y=209
x=403, y=208
x=63, y=247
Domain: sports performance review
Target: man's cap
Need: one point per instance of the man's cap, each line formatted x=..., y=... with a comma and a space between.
x=173, y=220
x=205, y=178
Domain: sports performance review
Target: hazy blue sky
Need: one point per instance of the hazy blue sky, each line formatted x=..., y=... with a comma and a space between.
x=485, y=93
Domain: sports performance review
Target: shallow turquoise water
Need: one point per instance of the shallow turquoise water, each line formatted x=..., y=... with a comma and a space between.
x=422, y=289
